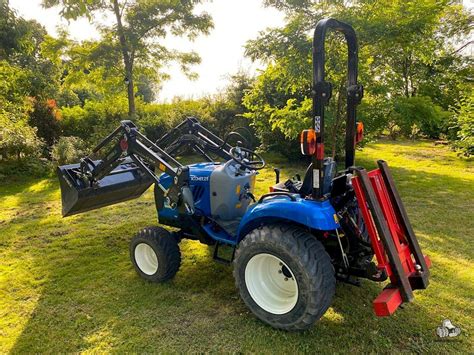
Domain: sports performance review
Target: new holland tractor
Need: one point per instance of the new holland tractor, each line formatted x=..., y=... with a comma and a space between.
x=290, y=245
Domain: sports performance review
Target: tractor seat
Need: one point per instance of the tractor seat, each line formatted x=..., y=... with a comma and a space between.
x=303, y=187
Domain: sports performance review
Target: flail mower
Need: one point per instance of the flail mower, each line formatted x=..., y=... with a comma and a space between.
x=288, y=247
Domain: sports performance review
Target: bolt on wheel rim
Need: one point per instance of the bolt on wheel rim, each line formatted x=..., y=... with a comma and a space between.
x=146, y=259
x=271, y=283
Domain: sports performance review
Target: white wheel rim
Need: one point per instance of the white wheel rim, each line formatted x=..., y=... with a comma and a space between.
x=146, y=259
x=271, y=283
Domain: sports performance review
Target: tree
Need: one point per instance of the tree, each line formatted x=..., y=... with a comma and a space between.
x=227, y=107
x=138, y=26
x=21, y=44
x=17, y=138
x=407, y=49
x=46, y=118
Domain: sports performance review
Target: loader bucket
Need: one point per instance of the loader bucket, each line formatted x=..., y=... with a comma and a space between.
x=124, y=183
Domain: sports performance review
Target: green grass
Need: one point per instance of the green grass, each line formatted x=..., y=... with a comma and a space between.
x=67, y=285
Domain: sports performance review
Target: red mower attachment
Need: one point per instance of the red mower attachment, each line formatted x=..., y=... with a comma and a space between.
x=393, y=239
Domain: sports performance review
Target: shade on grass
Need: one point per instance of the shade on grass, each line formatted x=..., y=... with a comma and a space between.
x=68, y=285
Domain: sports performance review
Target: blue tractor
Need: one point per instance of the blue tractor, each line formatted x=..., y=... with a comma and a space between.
x=288, y=247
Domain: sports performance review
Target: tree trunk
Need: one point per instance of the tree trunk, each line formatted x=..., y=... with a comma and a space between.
x=130, y=92
x=404, y=67
x=127, y=60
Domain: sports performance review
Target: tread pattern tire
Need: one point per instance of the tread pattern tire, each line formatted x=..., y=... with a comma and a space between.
x=166, y=249
x=309, y=262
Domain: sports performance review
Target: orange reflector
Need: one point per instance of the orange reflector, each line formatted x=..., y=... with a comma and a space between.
x=359, y=132
x=308, y=142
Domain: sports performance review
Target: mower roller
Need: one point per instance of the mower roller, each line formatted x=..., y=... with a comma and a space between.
x=290, y=246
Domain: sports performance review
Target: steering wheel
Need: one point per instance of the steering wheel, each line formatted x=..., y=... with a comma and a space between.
x=244, y=140
x=247, y=158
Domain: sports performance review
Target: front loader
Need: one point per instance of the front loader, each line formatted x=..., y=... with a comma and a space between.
x=289, y=246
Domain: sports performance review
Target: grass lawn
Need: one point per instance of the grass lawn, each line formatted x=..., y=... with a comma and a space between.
x=68, y=285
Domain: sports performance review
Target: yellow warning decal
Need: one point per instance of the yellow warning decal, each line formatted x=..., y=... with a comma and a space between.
x=237, y=190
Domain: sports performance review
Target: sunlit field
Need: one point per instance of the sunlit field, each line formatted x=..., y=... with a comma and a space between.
x=67, y=285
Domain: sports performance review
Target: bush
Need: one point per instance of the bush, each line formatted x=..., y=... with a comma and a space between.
x=463, y=126
x=18, y=140
x=96, y=119
x=419, y=111
x=157, y=119
x=26, y=167
x=68, y=150
x=46, y=118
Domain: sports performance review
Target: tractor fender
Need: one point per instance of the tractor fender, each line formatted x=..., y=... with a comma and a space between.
x=318, y=215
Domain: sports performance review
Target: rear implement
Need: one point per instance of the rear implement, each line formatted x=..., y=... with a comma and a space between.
x=393, y=240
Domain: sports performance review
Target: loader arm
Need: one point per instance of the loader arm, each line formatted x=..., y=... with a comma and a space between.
x=192, y=134
x=88, y=180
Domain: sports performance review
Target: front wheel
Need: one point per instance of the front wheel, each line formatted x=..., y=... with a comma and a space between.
x=284, y=276
x=155, y=254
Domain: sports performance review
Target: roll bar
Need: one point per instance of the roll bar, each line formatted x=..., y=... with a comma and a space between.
x=322, y=91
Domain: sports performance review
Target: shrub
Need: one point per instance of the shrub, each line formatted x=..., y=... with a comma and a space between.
x=26, y=167
x=68, y=150
x=419, y=111
x=46, y=117
x=157, y=119
x=96, y=119
x=18, y=140
x=463, y=118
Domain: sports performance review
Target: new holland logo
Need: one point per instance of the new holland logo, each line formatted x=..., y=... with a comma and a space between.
x=199, y=178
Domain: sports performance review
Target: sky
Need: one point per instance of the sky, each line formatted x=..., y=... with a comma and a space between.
x=222, y=51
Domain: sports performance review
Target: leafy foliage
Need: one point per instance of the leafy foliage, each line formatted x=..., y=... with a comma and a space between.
x=408, y=63
x=68, y=150
x=18, y=140
x=464, y=126
x=46, y=117
x=135, y=36
x=220, y=113
x=421, y=112
x=95, y=119
x=411, y=64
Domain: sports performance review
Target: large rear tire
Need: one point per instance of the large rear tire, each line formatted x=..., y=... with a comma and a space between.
x=155, y=254
x=285, y=276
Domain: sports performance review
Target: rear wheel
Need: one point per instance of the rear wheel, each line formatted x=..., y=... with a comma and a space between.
x=155, y=254
x=284, y=276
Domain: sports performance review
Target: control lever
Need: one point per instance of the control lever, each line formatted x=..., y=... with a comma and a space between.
x=251, y=195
